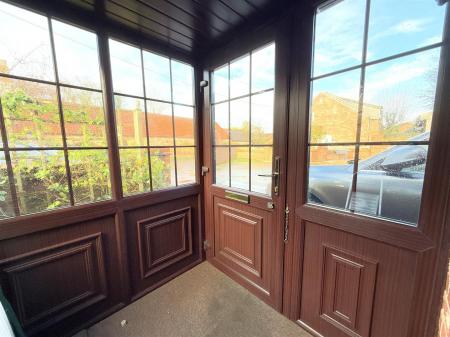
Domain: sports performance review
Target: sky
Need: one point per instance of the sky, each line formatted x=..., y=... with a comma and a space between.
x=394, y=27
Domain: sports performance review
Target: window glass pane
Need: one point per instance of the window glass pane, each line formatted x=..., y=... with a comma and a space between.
x=399, y=98
x=163, y=168
x=222, y=166
x=184, y=125
x=186, y=165
x=330, y=174
x=262, y=118
x=261, y=164
x=40, y=179
x=84, y=117
x=263, y=68
x=6, y=202
x=339, y=35
x=389, y=182
x=76, y=55
x=182, y=82
x=240, y=77
x=157, y=76
x=239, y=121
x=220, y=84
x=25, y=48
x=130, y=121
x=334, y=108
x=31, y=113
x=399, y=26
x=90, y=175
x=135, y=171
x=126, y=68
x=240, y=167
x=160, y=124
x=221, y=124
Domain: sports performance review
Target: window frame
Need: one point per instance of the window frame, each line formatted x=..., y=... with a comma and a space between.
x=362, y=66
x=145, y=99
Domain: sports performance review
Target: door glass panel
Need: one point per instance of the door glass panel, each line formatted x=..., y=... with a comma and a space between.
x=182, y=83
x=130, y=121
x=163, y=168
x=368, y=152
x=135, y=171
x=243, y=124
x=240, y=163
x=157, y=76
x=185, y=165
x=184, y=125
x=160, y=123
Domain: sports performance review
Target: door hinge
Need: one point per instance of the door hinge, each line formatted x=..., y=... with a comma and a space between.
x=206, y=245
x=286, y=223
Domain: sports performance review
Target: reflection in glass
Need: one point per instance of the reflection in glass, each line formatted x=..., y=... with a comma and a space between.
x=182, y=80
x=186, y=165
x=130, y=121
x=6, y=202
x=221, y=124
x=262, y=118
x=90, y=175
x=76, y=55
x=339, y=31
x=222, y=166
x=261, y=165
x=40, y=179
x=84, y=117
x=184, y=125
x=240, y=77
x=330, y=174
x=389, y=182
x=239, y=121
x=135, y=171
x=240, y=163
x=126, y=68
x=263, y=68
x=399, y=97
x=31, y=113
x=334, y=108
x=220, y=84
x=157, y=76
x=160, y=124
x=163, y=168
x=393, y=29
x=25, y=48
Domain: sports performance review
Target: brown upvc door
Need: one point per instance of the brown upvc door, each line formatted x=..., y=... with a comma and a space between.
x=371, y=169
x=244, y=153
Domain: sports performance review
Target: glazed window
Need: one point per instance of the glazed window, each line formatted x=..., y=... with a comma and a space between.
x=154, y=107
x=373, y=86
x=243, y=113
x=51, y=115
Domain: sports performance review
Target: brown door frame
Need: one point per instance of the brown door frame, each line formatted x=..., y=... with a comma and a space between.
x=427, y=240
x=274, y=31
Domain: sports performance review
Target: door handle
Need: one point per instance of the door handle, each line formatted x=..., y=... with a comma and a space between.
x=275, y=176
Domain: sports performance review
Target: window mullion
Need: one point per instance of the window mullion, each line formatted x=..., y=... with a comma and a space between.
x=61, y=115
x=149, y=158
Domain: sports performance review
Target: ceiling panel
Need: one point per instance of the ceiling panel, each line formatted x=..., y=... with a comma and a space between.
x=192, y=26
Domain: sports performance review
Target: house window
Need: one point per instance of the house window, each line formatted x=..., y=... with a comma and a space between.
x=373, y=85
x=154, y=106
x=243, y=112
x=53, y=149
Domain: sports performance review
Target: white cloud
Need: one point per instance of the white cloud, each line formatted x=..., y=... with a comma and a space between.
x=410, y=26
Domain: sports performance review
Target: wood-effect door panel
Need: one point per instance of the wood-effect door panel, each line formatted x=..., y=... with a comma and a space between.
x=241, y=242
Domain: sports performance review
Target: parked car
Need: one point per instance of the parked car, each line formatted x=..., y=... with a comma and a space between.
x=388, y=184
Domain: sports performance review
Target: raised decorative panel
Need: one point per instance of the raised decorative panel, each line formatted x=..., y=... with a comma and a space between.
x=239, y=238
x=164, y=240
x=55, y=282
x=348, y=285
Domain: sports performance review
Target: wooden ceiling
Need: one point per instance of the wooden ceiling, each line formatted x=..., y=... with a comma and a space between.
x=190, y=26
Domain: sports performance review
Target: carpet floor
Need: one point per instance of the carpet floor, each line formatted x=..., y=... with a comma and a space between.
x=203, y=302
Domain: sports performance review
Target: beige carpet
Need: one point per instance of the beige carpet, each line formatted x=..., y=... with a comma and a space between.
x=202, y=302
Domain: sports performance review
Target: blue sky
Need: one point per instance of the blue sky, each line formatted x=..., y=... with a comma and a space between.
x=394, y=27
